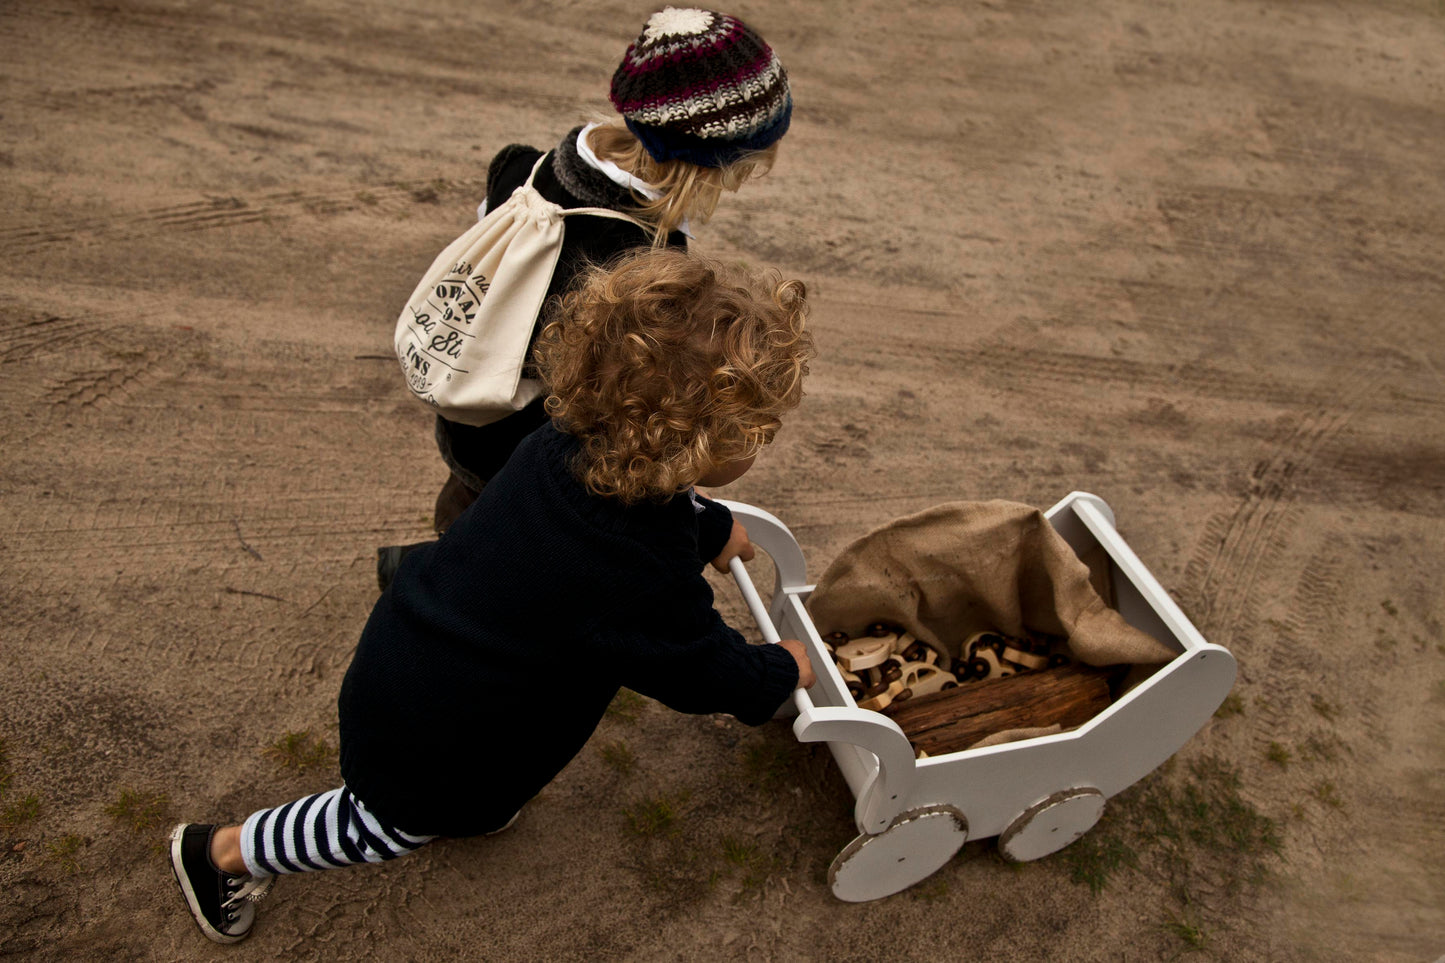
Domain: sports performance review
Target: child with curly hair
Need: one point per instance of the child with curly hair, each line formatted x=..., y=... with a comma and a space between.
x=665, y=372
x=702, y=104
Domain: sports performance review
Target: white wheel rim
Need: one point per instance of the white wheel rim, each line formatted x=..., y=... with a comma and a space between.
x=1048, y=826
x=915, y=846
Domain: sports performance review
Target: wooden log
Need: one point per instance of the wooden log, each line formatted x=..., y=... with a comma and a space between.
x=952, y=721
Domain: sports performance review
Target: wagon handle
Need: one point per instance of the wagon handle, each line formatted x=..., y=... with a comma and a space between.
x=882, y=797
x=739, y=571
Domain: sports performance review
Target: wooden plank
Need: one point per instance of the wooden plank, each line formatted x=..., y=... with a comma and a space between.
x=951, y=721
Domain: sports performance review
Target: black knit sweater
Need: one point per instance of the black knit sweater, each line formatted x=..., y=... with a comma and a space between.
x=489, y=661
x=474, y=453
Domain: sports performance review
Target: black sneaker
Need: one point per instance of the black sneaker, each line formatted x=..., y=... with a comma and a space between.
x=223, y=905
x=388, y=558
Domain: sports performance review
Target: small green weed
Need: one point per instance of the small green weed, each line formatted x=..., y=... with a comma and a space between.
x=1188, y=933
x=298, y=751
x=674, y=857
x=617, y=755
x=652, y=817
x=1324, y=707
x=626, y=706
x=1389, y=608
x=23, y=810
x=756, y=866
x=1233, y=705
x=1196, y=830
x=1318, y=748
x=931, y=890
x=1278, y=754
x=16, y=811
x=1325, y=792
x=1095, y=857
x=63, y=851
x=767, y=763
x=140, y=812
x=4, y=769
x=738, y=853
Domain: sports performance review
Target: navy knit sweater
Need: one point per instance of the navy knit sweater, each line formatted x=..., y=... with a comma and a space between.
x=489, y=661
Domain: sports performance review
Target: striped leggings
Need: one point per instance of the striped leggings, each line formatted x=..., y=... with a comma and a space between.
x=325, y=831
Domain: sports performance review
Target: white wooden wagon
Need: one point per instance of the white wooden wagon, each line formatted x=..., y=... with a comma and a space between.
x=1036, y=795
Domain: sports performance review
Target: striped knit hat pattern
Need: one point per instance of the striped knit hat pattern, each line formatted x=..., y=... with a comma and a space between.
x=701, y=87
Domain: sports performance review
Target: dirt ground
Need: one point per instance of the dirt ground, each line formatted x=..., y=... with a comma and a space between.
x=1185, y=256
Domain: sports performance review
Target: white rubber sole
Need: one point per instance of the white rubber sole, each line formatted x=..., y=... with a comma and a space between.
x=179, y=869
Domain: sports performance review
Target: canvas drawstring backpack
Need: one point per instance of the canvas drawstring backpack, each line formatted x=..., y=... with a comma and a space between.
x=462, y=338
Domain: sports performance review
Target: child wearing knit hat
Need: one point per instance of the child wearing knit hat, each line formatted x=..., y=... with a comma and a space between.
x=702, y=87
x=703, y=102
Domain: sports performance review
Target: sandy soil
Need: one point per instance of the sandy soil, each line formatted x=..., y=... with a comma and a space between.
x=1185, y=256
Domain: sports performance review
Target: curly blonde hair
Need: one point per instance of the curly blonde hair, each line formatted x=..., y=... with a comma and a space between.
x=689, y=192
x=667, y=365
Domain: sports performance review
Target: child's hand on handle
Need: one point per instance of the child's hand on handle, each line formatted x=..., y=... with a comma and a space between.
x=799, y=652
x=738, y=546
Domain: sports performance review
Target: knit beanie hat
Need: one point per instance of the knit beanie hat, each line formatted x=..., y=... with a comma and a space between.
x=702, y=87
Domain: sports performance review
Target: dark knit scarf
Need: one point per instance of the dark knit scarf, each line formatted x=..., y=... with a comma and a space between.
x=585, y=182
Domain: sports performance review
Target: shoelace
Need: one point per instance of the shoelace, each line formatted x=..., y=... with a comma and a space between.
x=251, y=889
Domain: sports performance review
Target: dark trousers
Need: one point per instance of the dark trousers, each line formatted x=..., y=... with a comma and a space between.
x=453, y=499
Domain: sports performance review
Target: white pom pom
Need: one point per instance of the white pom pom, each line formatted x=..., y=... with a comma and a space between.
x=676, y=21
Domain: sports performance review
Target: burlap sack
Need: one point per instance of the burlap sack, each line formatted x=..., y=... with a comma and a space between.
x=965, y=567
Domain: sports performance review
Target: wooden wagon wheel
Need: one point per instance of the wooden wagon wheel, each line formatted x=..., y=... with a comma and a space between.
x=1048, y=826
x=916, y=845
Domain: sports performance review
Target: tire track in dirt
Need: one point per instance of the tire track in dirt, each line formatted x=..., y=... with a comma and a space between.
x=1236, y=548
x=1351, y=479
x=58, y=365
x=1419, y=817
x=100, y=386
x=1286, y=673
x=102, y=99
x=1019, y=369
x=194, y=600
x=1346, y=724
x=1404, y=474
x=183, y=564
x=32, y=907
x=228, y=212
x=134, y=373
x=1267, y=229
x=200, y=520
x=1224, y=570
x=20, y=340
x=179, y=541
